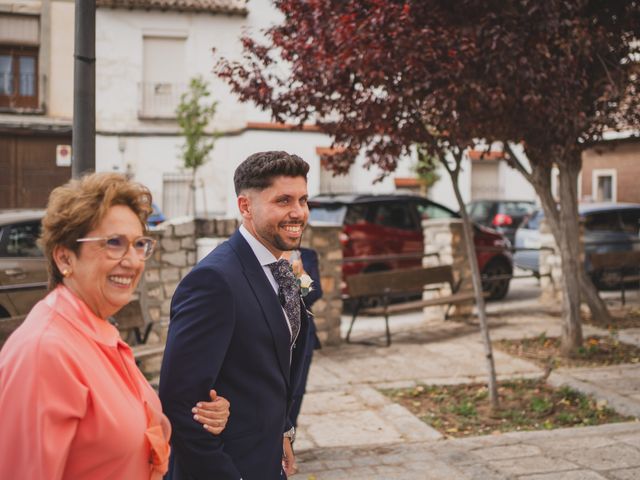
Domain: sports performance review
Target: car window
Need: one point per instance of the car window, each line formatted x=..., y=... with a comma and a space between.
x=533, y=223
x=393, y=215
x=480, y=211
x=331, y=214
x=602, y=221
x=21, y=240
x=630, y=220
x=428, y=210
x=356, y=214
x=517, y=209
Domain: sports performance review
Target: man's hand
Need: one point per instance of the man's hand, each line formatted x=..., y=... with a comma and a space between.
x=212, y=415
x=288, y=458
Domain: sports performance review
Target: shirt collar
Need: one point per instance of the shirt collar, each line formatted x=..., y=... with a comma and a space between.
x=262, y=253
x=80, y=316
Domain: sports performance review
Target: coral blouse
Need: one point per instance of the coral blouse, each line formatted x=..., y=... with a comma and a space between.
x=73, y=404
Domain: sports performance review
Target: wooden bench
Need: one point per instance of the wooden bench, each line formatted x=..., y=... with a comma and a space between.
x=132, y=319
x=385, y=287
x=624, y=266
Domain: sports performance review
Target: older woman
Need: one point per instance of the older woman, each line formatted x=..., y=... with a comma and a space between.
x=74, y=405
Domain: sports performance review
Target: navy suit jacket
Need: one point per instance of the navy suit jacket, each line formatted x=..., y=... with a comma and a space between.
x=228, y=332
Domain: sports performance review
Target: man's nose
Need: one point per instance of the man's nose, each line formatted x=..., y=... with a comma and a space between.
x=298, y=210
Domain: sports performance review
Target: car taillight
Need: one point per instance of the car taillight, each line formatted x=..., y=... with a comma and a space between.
x=344, y=239
x=501, y=220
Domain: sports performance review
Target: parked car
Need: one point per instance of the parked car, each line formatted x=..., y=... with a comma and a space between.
x=608, y=227
x=376, y=225
x=504, y=216
x=156, y=217
x=23, y=271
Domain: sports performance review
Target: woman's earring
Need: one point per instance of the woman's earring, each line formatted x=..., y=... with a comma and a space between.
x=66, y=272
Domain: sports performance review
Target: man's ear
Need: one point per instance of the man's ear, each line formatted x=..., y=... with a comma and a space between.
x=244, y=205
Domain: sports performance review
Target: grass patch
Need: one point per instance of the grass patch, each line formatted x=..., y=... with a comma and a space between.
x=595, y=351
x=464, y=410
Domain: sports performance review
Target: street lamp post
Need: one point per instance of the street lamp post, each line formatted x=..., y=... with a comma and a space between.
x=84, y=89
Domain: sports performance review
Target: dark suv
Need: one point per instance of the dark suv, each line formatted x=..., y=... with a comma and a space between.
x=504, y=216
x=377, y=225
x=23, y=271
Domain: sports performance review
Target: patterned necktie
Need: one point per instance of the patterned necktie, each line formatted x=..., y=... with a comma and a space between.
x=288, y=293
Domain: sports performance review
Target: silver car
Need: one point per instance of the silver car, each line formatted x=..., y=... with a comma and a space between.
x=608, y=227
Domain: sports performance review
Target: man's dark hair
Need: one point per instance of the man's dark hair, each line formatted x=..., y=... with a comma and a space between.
x=259, y=170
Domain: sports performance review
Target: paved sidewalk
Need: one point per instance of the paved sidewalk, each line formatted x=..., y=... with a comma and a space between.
x=348, y=430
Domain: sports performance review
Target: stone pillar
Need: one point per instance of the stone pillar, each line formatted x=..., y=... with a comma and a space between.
x=174, y=257
x=325, y=240
x=550, y=266
x=444, y=245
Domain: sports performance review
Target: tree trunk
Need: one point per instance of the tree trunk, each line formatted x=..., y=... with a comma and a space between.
x=561, y=228
x=569, y=246
x=477, y=282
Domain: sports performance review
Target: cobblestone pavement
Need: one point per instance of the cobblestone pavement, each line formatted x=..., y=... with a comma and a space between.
x=349, y=430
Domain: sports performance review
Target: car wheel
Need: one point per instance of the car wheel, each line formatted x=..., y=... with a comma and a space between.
x=497, y=289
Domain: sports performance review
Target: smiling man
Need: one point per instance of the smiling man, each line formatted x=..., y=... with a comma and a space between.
x=237, y=326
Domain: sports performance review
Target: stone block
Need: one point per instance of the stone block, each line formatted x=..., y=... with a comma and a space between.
x=176, y=259
x=165, y=309
x=191, y=258
x=169, y=289
x=170, y=274
x=328, y=284
x=155, y=292
x=185, y=228
x=152, y=275
x=185, y=271
x=188, y=243
x=170, y=244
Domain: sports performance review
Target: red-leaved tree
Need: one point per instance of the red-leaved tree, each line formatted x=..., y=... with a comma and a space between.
x=383, y=76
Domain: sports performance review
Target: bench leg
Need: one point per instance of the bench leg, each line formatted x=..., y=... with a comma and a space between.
x=142, y=338
x=353, y=320
x=386, y=324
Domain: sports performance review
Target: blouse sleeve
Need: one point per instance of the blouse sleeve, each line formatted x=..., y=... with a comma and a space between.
x=42, y=399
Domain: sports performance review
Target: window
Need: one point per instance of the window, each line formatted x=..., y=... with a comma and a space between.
x=630, y=221
x=603, y=186
x=602, y=222
x=428, y=210
x=164, y=76
x=19, y=40
x=22, y=240
x=394, y=216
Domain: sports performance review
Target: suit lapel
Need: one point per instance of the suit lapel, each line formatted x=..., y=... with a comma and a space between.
x=267, y=299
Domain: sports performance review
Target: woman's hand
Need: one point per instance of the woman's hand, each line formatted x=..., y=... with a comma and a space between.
x=212, y=415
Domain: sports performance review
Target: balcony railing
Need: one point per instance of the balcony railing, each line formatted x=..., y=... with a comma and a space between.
x=159, y=100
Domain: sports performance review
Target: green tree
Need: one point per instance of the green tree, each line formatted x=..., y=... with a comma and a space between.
x=194, y=113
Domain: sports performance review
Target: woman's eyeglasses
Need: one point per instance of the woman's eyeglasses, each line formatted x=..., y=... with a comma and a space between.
x=117, y=246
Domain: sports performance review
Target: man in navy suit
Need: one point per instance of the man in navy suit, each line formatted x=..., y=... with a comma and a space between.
x=230, y=332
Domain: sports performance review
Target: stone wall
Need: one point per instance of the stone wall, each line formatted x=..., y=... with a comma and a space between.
x=181, y=243
x=325, y=240
x=444, y=245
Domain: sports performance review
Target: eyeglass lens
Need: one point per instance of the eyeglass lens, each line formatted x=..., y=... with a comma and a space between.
x=119, y=245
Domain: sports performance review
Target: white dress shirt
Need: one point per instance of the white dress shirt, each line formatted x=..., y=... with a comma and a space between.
x=265, y=257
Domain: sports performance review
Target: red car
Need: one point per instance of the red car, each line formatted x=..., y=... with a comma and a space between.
x=390, y=224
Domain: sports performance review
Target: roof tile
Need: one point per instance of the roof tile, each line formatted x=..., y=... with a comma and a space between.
x=231, y=7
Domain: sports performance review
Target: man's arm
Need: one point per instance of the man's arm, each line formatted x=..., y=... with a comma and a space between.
x=202, y=322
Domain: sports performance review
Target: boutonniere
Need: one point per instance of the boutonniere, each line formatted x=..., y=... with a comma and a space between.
x=304, y=282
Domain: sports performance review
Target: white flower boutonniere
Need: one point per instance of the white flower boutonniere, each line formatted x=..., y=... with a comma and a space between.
x=305, y=282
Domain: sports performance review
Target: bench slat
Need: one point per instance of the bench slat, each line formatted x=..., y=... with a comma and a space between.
x=397, y=281
x=417, y=304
